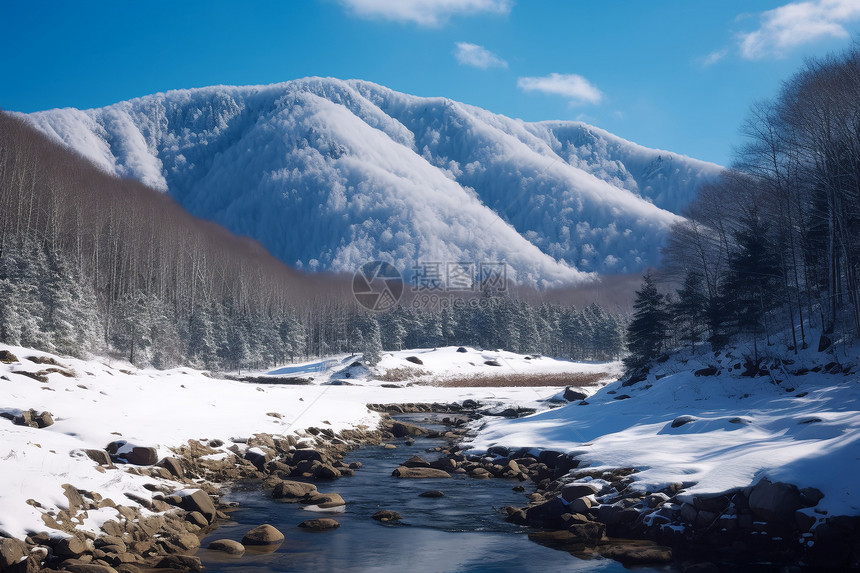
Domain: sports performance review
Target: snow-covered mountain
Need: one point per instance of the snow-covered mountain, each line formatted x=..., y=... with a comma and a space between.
x=329, y=174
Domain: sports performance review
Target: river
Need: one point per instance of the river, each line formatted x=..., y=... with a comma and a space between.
x=464, y=531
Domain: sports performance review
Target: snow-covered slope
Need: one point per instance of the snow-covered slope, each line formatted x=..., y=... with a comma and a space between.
x=799, y=424
x=328, y=174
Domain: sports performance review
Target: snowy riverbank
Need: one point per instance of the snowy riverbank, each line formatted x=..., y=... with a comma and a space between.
x=96, y=402
x=699, y=421
x=707, y=426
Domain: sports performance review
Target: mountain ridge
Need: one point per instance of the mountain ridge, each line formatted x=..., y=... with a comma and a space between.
x=329, y=173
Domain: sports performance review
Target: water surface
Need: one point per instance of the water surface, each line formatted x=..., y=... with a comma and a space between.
x=463, y=531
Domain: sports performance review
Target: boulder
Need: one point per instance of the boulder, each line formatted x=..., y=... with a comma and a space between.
x=73, y=546
x=174, y=466
x=572, y=395
x=404, y=429
x=306, y=455
x=326, y=471
x=74, y=497
x=199, y=500
x=263, y=535
x=616, y=514
x=461, y=349
x=137, y=455
x=32, y=418
x=11, y=551
x=110, y=544
x=432, y=493
x=100, y=457
x=227, y=546
x=183, y=542
x=322, y=524
x=414, y=360
x=325, y=500
x=258, y=457
x=180, y=563
x=288, y=489
x=419, y=473
x=573, y=491
x=387, y=515
x=681, y=420
x=44, y=419
x=7, y=357
x=774, y=502
x=810, y=496
x=547, y=514
x=580, y=505
x=197, y=519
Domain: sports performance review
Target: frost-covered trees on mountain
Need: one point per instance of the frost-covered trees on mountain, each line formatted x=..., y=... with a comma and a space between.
x=330, y=174
x=93, y=264
x=42, y=302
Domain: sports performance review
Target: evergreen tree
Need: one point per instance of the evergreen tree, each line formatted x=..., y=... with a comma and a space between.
x=237, y=350
x=202, y=345
x=393, y=329
x=372, y=341
x=292, y=335
x=753, y=278
x=691, y=308
x=647, y=331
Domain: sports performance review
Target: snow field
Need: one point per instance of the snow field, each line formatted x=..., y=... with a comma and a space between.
x=105, y=401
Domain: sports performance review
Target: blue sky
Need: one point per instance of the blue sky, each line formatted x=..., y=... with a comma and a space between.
x=672, y=74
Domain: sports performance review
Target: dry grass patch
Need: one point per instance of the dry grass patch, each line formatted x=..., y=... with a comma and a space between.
x=401, y=374
x=524, y=380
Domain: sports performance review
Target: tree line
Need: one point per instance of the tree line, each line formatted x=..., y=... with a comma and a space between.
x=771, y=251
x=93, y=264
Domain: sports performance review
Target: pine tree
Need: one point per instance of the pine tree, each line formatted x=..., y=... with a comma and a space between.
x=393, y=329
x=647, y=331
x=202, y=346
x=292, y=334
x=372, y=341
x=691, y=308
x=753, y=279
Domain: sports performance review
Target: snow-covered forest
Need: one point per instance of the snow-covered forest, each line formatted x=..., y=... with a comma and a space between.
x=328, y=174
x=772, y=250
x=90, y=263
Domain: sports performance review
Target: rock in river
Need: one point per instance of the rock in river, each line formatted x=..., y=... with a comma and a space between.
x=263, y=535
x=419, y=473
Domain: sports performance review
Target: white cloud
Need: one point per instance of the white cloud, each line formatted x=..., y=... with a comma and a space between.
x=573, y=86
x=796, y=24
x=714, y=57
x=478, y=56
x=424, y=12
